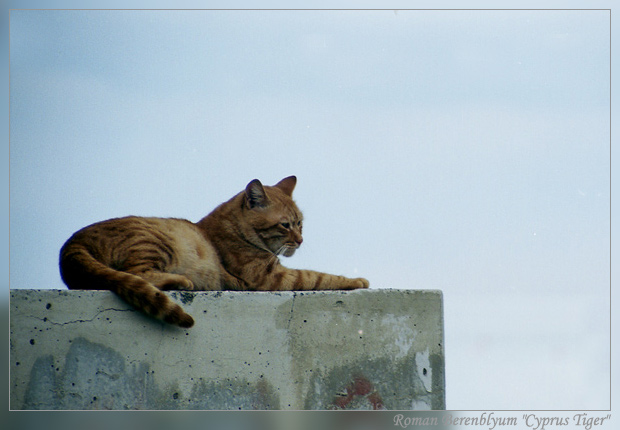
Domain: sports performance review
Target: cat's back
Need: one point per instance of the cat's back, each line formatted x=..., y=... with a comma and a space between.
x=173, y=245
x=133, y=231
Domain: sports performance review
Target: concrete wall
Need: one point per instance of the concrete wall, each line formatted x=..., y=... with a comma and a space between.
x=370, y=349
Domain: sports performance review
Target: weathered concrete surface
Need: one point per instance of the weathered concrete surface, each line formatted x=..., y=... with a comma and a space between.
x=370, y=349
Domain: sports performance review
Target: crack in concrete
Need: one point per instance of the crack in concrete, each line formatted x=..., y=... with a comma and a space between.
x=288, y=325
x=48, y=320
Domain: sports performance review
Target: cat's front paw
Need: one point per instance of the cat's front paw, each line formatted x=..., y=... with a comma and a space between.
x=174, y=282
x=358, y=283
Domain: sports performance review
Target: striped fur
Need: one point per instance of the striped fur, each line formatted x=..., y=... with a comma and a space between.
x=235, y=247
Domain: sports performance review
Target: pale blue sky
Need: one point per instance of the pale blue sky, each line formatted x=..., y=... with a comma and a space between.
x=467, y=151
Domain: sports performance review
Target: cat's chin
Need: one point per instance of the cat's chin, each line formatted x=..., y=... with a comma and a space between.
x=288, y=252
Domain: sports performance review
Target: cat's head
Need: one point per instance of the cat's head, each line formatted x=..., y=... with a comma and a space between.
x=274, y=216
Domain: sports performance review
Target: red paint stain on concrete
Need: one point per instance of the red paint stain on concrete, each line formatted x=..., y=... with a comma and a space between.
x=359, y=387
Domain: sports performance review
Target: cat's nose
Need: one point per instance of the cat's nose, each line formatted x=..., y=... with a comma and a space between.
x=299, y=240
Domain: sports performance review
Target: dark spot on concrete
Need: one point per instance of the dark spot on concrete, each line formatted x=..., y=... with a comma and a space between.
x=31, y=341
x=91, y=372
x=49, y=305
x=186, y=297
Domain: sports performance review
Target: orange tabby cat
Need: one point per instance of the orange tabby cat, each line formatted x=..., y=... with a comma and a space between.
x=235, y=247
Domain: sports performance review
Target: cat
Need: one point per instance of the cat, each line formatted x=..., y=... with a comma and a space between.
x=235, y=247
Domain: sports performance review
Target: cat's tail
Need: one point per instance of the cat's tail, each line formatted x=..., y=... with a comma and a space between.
x=81, y=271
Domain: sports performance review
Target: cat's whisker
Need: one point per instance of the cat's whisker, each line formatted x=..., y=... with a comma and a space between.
x=274, y=255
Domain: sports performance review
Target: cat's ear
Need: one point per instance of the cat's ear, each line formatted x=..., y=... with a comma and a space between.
x=287, y=185
x=255, y=195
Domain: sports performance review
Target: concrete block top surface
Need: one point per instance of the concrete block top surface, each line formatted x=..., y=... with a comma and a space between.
x=364, y=349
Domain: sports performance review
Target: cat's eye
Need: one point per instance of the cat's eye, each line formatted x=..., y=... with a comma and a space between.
x=286, y=225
